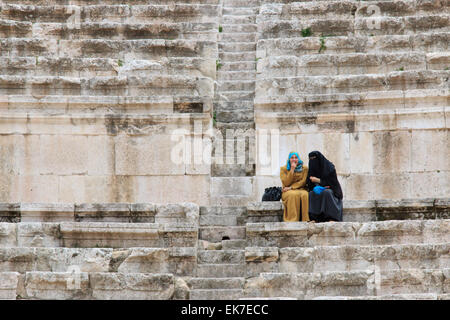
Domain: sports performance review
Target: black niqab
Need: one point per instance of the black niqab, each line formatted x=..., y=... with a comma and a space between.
x=322, y=168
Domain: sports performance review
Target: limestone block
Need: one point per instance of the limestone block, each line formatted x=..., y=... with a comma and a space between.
x=183, y=212
x=157, y=188
x=102, y=212
x=425, y=143
x=181, y=289
x=430, y=184
x=8, y=285
x=261, y=254
x=395, y=231
x=46, y=212
x=8, y=237
x=277, y=234
x=38, y=234
x=71, y=189
x=405, y=209
x=359, y=210
x=96, y=234
x=180, y=261
x=265, y=211
x=395, y=148
x=232, y=186
x=412, y=281
x=331, y=233
x=386, y=185
x=12, y=154
x=361, y=153
x=220, y=256
x=436, y=231
x=441, y=207
x=101, y=154
x=57, y=285
x=132, y=286
x=138, y=156
x=217, y=233
x=10, y=212
x=34, y=189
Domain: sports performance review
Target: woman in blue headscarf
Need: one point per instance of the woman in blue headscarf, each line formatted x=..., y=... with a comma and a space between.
x=295, y=197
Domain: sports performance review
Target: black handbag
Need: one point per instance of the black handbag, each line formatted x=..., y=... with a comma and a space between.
x=272, y=194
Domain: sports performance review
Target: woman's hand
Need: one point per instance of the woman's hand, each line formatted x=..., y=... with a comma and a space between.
x=314, y=179
x=286, y=189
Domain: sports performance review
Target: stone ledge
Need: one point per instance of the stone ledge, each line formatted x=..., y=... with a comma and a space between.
x=185, y=212
x=363, y=210
x=354, y=283
x=302, y=234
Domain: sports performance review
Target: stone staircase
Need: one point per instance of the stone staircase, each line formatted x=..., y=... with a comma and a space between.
x=182, y=251
x=232, y=174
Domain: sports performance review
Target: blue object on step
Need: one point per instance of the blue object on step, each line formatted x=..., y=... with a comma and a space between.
x=318, y=189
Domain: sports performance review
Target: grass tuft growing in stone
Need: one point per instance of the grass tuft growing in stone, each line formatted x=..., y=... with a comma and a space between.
x=306, y=32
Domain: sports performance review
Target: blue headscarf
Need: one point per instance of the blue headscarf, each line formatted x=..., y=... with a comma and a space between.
x=299, y=167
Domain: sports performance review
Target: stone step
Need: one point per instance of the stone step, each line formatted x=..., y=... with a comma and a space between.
x=110, y=30
x=360, y=102
x=238, y=19
x=407, y=25
x=237, y=46
x=91, y=67
x=354, y=283
x=239, y=28
x=303, y=234
x=180, y=261
x=237, y=37
x=221, y=270
x=397, y=80
x=87, y=286
x=221, y=216
x=238, y=66
x=237, y=56
x=236, y=85
x=221, y=257
x=116, y=85
x=235, y=95
x=236, y=115
x=350, y=9
x=223, y=105
x=410, y=296
x=243, y=3
x=236, y=11
x=142, y=49
x=234, y=244
x=150, y=105
x=217, y=233
x=346, y=258
x=98, y=12
x=215, y=294
x=97, y=234
x=216, y=283
x=428, y=42
x=236, y=75
x=363, y=210
x=353, y=63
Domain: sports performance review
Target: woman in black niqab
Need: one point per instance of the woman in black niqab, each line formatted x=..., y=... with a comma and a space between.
x=326, y=206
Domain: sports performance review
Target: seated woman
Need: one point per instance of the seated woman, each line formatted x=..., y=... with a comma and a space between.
x=325, y=193
x=295, y=196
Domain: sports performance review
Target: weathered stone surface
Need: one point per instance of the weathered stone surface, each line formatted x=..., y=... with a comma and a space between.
x=46, y=212
x=356, y=283
x=92, y=234
x=132, y=286
x=179, y=261
x=57, y=285
x=8, y=285
x=55, y=259
x=177, y=213
x=215, y=233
